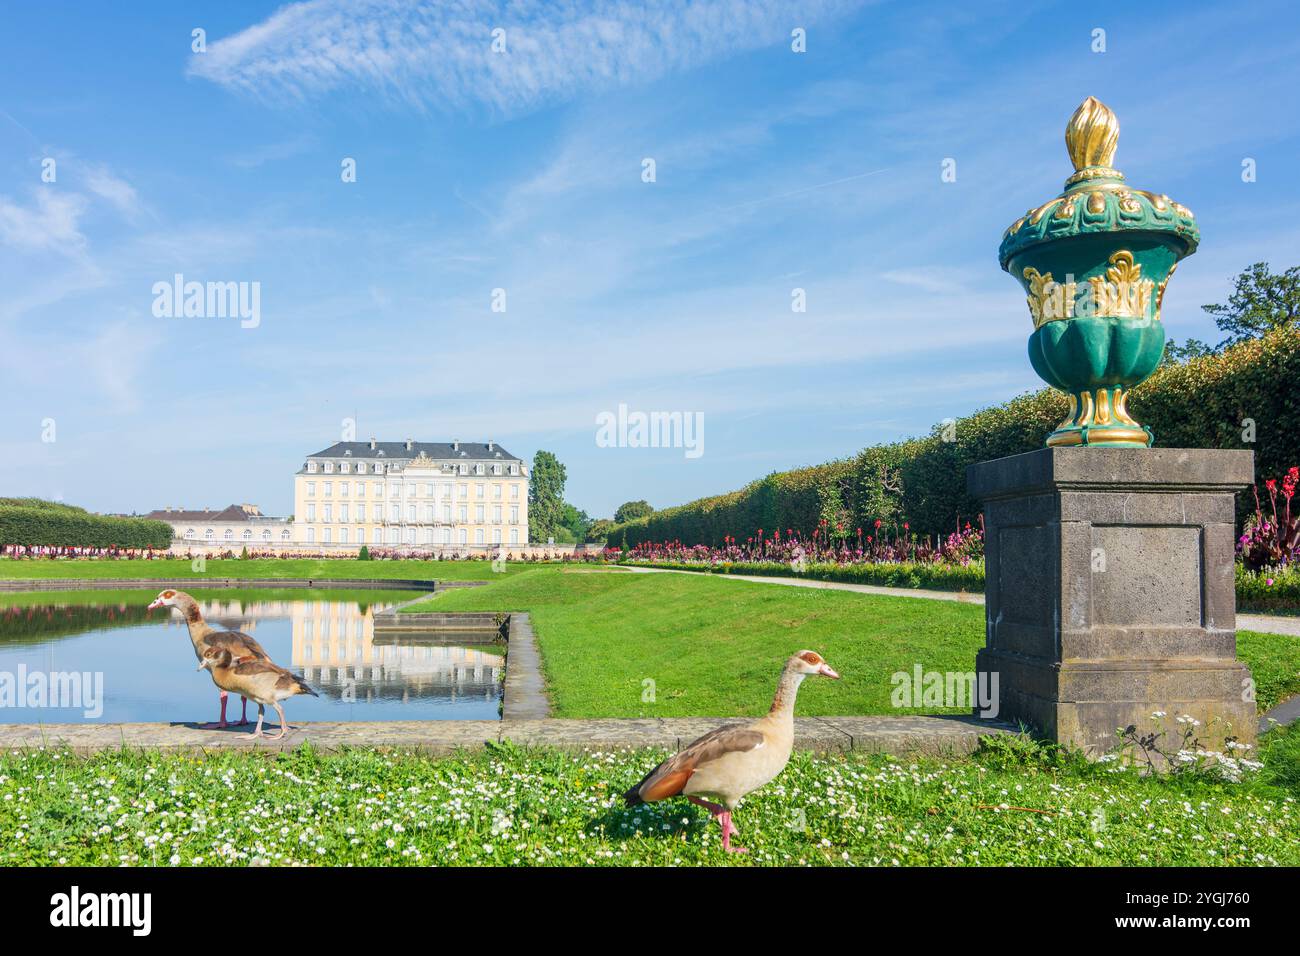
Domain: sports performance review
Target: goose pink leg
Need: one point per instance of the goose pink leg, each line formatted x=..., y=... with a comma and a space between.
x=723, y=816
x=243, y=712
x=220, y=724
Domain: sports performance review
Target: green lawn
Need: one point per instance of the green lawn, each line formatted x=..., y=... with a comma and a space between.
x=528, y=807
x=181, y=570
x=714, y=647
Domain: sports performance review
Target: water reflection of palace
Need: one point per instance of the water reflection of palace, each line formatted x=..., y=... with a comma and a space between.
x=333, y=644
x=334, y=650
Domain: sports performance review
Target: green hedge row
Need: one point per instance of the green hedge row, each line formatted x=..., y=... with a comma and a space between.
x=1245, y=397
x=49, y=523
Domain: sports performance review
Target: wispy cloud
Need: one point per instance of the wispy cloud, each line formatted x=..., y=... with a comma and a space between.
x=442, y=54
x=50, y=222
x=115, y=190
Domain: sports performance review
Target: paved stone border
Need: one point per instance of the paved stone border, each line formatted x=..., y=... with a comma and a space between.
x=938, y=736
x=524, y=696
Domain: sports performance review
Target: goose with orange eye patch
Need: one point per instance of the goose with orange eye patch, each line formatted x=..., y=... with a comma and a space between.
x=726, y=765
x=205, y=637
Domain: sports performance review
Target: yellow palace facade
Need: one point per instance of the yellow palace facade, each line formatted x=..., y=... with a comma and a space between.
x=422, y=495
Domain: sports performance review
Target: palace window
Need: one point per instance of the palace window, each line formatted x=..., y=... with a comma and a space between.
x=514, y=492
x=343, y=512
x=229, y=535
x=329, y=467
x=496, y=535
x=248, y=535
x=343, y=535
x=311, y=535
x=266, y=535
x=189, y=534
x=464, y=536
x=345, y=468
x=329, y=489
x=311, y=467
x=311, y=511
x=480, y=490
x=514, y=535
x=329, y=536
x=478, y=514
x=311, y=489
x=478, y=535
x=284, y=535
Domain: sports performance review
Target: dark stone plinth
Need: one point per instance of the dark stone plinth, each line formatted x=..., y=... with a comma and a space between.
x=1109, y=591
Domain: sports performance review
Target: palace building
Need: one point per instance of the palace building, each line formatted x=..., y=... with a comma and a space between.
x=233, y=528
x=425, y=495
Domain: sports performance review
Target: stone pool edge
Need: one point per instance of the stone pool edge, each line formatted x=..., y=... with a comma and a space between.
x=526, y=720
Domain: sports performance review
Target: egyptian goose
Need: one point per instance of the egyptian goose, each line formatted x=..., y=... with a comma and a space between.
x=241, y=646
x=732, y=762
x=263, y=681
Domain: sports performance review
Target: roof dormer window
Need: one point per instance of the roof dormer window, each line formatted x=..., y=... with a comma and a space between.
x=311, y=467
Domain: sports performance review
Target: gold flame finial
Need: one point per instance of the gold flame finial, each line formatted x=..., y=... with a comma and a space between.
x=1092, y=135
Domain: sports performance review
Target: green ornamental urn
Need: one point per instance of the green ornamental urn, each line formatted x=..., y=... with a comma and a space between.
x=1094, y=262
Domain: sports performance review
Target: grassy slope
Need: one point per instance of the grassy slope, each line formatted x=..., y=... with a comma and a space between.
x=713, y=648
x=180, y=569
x=543, y=807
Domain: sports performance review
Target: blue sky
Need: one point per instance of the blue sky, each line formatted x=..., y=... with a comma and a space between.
x=523, y=171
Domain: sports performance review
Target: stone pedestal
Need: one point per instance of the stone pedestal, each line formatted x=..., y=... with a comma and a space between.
x=1110, y=591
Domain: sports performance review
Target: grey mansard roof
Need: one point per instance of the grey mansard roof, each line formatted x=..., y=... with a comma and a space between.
x=397, y=451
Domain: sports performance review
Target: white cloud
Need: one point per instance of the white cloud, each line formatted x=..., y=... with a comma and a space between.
x=118, y=192
x=51, y=222
x=440, y=54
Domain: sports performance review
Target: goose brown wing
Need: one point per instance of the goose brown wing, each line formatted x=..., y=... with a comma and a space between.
x=240, y=645
x=668, y=779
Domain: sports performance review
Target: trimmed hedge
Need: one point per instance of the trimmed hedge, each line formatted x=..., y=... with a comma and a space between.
x=1209, y=402
x=31, y=521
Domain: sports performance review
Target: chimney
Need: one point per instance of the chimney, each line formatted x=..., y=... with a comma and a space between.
x=372, y=442
x=491, y=445
x=409, y=444
x=455, y=446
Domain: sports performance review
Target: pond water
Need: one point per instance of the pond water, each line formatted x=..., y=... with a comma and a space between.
x=106, y=659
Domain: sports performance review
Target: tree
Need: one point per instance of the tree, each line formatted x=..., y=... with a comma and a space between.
x=630, y=510
x=1176, y=354
x=1260, y=302
x=576, y=522
x=545, y=497
x=598, y=530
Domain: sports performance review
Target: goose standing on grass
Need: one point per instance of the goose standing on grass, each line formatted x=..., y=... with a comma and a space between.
x=724, y=766
x=204, y=636
x=263, y=681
